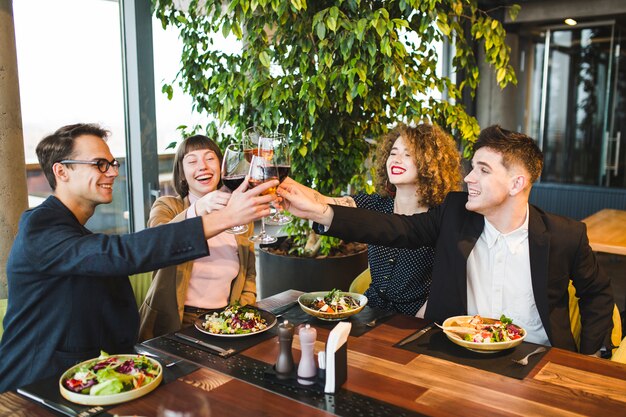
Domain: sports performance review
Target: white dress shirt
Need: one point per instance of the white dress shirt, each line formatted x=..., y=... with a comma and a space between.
x=499, y=280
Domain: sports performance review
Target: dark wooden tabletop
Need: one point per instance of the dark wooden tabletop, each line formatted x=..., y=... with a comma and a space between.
x=562, y=383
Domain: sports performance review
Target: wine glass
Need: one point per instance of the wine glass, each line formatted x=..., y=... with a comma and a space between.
x=234, y=170
x=187, y=405
x=276, y=146
x=262, y=170
x=250, y=140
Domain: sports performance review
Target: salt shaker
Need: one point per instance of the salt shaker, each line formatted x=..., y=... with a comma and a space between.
x=307, y=368
x=284, y=364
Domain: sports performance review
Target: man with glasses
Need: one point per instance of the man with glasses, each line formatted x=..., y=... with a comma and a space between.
x=69, y=293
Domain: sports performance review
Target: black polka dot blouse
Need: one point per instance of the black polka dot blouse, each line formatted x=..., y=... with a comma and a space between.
x=400, y=277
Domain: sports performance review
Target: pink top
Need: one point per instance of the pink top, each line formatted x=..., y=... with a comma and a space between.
x=211, y=276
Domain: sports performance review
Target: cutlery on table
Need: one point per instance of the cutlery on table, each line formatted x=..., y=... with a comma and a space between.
x=58, y=407
x=416, y=336
x=165, y=362
x=220, y=351
x=524, y=361
x=372, y=323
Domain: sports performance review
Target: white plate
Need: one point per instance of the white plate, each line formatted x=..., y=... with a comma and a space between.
x=121, y=397
x=306, y=299
x=269, y=318
x=478, y=347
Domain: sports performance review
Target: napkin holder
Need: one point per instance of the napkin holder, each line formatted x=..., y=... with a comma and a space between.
x=337, y=357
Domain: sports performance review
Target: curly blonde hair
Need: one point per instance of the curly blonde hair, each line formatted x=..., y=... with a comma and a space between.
x=435, y=155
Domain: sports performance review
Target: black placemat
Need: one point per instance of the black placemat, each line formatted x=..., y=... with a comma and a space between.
x=237, y=344
x=435, y=343
x=359, y=321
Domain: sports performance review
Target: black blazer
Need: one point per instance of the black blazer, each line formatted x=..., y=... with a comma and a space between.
x=559, y=251
x=69, y=293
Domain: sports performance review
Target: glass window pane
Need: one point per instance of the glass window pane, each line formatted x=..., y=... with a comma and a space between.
x=70, y=71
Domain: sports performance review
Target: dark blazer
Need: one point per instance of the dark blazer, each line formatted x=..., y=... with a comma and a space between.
x=69, y=293
x=559, y=251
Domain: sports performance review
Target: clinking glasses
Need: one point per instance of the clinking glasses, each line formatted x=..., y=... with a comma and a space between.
x=102, y=164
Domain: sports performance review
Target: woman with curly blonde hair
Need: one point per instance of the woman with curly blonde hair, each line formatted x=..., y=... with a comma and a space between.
x=416, y=167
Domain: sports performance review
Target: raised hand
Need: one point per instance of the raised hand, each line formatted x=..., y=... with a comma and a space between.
x=215, y=200
x=250, y=205
x=305, y=203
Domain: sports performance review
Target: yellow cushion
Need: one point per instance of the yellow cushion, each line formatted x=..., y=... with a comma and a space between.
x=140, y=283
x=574, y=316
x=361, y=282
x=619, y=354
x=3, y=310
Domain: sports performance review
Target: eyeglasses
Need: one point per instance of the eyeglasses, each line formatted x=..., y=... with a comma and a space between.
x=102, y=164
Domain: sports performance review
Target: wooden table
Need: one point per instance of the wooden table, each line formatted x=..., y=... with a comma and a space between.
x=606, y=230
x=561, y=384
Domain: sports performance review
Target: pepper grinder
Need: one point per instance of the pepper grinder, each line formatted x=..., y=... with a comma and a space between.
x=284, y=364
x=307, y=368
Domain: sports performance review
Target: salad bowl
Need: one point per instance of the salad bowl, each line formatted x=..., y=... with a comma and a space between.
x=131, y=391
x=307, y=301
x=462, y=323
x=236, y=321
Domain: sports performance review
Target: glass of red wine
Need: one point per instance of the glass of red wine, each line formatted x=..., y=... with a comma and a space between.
x=276, y=147
x=262, y=170
x=235, y=167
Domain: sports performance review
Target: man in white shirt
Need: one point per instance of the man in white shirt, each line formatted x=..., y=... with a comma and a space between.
x=494, y=253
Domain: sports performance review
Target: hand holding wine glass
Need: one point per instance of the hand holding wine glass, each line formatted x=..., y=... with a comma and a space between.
x=235, y=167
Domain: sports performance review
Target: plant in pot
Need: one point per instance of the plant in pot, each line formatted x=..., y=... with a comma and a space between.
x=331, y=74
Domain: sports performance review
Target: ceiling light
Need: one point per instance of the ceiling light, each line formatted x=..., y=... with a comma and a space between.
x=570, y=22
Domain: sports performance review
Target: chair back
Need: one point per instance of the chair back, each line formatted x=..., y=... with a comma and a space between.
x=574, y=317
x=362, y=282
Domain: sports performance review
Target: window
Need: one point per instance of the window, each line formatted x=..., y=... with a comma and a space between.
x=70, y=71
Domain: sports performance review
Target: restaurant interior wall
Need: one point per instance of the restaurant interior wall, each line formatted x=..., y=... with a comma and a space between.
x=571, y=97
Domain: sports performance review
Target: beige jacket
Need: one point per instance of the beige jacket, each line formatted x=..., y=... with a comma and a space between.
x=162, y=310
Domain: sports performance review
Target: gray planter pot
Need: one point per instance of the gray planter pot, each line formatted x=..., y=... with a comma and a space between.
x=278, y=273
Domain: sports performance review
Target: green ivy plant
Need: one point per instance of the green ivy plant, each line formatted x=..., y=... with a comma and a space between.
x=332, y=73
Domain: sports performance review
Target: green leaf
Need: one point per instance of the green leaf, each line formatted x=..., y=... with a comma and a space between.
x=331, y=23
x=265, y=59
x=514, y=11
x=320, y=29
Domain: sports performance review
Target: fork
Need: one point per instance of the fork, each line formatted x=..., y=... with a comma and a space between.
x=524, y=361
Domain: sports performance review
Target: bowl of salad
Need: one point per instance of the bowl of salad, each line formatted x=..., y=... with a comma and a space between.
x=236, y=321
x=113, y=379
x=483, y=335
x=332, y=305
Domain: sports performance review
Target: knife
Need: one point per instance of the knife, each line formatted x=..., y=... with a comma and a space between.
x=221, y=351
x=59, y=408
x=416, y=336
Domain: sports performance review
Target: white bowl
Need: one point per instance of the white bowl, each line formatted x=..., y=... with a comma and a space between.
x=86, y=399
x=475, y=346
x=307, y=298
